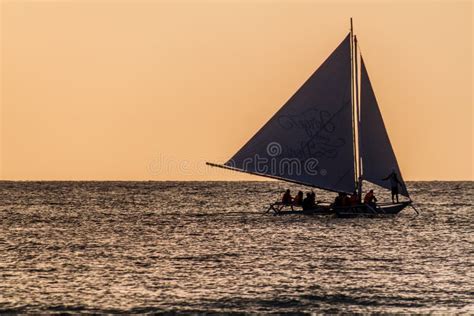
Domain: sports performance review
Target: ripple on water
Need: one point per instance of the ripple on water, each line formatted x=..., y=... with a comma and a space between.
x=167, y=246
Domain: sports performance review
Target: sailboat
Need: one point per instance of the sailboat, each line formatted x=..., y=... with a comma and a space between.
x=329, y=135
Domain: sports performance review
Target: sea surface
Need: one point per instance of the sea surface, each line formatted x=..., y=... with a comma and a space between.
x=146, y=247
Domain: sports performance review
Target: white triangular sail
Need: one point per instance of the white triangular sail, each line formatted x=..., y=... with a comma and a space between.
x=309, y=140
x=378, y=158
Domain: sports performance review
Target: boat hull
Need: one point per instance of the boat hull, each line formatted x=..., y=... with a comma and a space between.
x=366, y=210
x=361, y=210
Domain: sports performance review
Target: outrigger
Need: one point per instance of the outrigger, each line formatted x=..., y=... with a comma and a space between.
x=279, y=208
x=329, y=135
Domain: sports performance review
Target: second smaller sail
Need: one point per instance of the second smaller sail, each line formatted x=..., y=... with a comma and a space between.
x=378, y=158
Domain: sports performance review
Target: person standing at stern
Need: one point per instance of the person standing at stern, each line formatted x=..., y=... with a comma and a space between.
x=394, y=182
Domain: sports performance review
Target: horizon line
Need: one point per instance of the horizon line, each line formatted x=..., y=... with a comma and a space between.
x=151, y=180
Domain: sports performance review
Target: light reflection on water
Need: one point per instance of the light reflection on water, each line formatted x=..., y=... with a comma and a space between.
x=205, y=246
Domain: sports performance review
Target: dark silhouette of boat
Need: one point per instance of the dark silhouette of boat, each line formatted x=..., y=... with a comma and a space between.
x=329, y=135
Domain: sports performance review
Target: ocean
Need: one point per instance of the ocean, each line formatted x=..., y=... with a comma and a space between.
x=192, y=247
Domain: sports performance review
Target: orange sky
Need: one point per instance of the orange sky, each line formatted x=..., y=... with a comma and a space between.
x=129, y=90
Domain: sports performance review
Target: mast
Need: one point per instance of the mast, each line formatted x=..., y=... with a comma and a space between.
x=357, y=109
x=353, y=56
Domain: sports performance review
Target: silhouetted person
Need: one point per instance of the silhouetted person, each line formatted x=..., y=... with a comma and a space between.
x=354, y=198
x=308, y=202
x=339, y=199
x=346, y=201
x=286, y=199
x=394, y=182
x=298, y=200
x=370, y=199
x=313, y=198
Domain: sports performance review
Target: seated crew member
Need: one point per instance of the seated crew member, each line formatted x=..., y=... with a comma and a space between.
x=307, y=202
x=298, y=200
x=313, y=198
x=346, y=200
x=370, y=198
x=286, y=199
x=338, y=199
x=354, y=198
